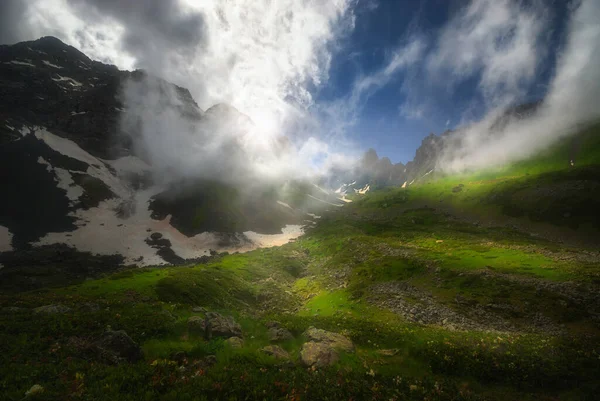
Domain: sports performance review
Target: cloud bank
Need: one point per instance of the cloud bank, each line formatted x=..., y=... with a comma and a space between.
x=269, y=58
x=570, y=103
x=265, y=58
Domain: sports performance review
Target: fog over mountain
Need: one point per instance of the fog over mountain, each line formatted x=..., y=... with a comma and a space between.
x=269, y=60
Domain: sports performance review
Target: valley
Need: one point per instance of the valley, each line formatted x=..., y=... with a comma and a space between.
x=480, y=286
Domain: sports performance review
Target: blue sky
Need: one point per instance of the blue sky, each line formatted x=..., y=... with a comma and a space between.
x=384, y=26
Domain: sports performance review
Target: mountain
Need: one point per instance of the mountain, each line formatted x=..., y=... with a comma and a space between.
x=372, y=172
x=483, y=285
x=80, y=182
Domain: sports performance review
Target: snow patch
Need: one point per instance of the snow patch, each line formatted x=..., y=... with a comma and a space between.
x=74, y=113
x=129, y=164
x=363, y=190
x=49, y=64
x=5, y=240
x=321, y=200
x=69, y=80
x=288, y=233
x=64, y=181
x=285, y=205
x=321, y=189
x=314, y=216
x=404, y=185
x=41, y=160
x=25, y=131
x=96, y=166
x=101, y=231
x=9, y=127
x=16, y=62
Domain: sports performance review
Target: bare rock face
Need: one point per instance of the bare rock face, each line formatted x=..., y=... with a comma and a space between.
x=276, y=351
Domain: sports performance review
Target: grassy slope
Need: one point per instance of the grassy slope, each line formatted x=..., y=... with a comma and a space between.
x=430, y=238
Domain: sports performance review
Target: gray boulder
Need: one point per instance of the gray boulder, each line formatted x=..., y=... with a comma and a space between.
x=52, y=309
x=323, y=347
x=277, y=334
x=318, y=354
x=334, y=340
x=197, y=325
x=276, y=351
x=117, y=347
x=218, y=325
x=235, y=342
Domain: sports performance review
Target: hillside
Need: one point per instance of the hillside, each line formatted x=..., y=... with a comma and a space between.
x=475, y=287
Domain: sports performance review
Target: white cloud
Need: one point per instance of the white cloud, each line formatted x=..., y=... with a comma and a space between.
x=341, y=114
x=571, y=103
x=263, y=57
x=498, y=41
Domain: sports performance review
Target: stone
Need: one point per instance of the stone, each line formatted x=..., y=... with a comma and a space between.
x=276, y=351
x=277, y=334
x=235, y=342
x=197, y=325
x=218, y=325
x=117, y=347
x=13, y=309
x=272, y=324
x=334, y=340
x=36, y=389
x=52, y=309
x=318, y=354
x=388, y=352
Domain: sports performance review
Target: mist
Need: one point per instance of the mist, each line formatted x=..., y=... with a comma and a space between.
x=254, y=69
x=251, y=76
x=570, y=104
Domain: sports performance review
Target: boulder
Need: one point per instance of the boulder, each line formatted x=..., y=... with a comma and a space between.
x=218, y=325
x=13, y=309
x=235, y=342
x=197, y=325
x=52, y=309
x=318, y=354
x=388, y=352
x=276, y=351
x=117, y=346
x=333, y=340
x=277, y=334
x=35, y=390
